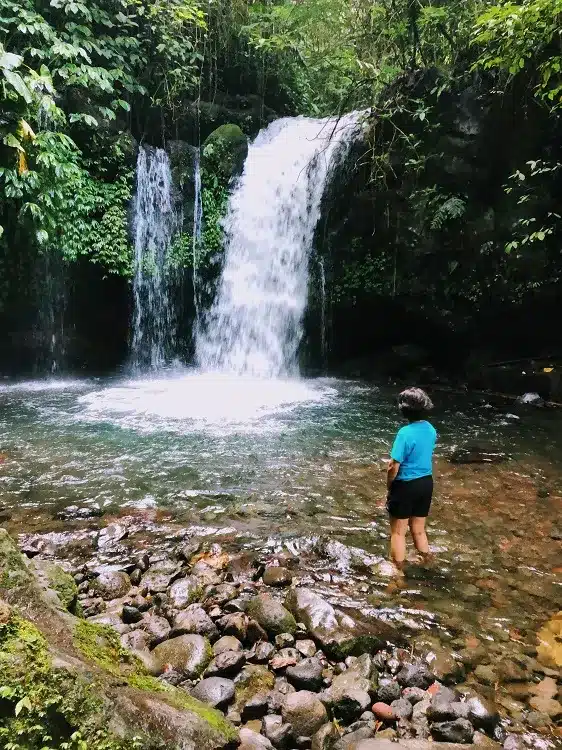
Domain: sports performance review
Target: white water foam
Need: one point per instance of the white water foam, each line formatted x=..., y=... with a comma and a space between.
x=255, y=324
x=199, y=400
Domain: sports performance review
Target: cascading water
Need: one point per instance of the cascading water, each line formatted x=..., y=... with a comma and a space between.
x=50, y=336
x=197, y=228
x=255, y=324
x=155, y=223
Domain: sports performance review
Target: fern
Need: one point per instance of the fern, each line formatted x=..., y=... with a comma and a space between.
x=453, y=208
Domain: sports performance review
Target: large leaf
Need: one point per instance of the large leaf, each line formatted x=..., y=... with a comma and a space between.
x=9, y=61
x=17, y=82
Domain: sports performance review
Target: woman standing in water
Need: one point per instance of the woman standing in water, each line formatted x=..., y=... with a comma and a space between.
x=410, y=476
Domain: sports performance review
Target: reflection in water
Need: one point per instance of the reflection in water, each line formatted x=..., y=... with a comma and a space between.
x=298, y=464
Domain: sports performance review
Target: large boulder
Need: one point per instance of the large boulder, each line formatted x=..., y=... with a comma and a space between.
x=92, y=685
x=339, y=634
x=187, y=654
x=224, y=152
x=271, y=615
x=304, y=712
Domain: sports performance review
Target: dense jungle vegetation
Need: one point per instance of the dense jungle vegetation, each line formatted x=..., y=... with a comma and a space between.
x=82, y=80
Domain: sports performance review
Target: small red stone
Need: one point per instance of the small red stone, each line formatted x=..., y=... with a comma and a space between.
x=383, y=712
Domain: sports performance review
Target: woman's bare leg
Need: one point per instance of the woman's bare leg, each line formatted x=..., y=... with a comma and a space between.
x=398, y=529
x=417, y=528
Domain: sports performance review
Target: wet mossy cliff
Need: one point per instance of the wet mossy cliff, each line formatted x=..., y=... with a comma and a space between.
x=63, y=680
x=440, y=234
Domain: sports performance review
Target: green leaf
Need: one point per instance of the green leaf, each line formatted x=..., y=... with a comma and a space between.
x=17, y=82
x=9, y=61
x=11, y=141
x=24, y=703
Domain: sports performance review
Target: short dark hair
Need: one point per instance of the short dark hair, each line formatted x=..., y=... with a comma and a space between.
x=414, y=403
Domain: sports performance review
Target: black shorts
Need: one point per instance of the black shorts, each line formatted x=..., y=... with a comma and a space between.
x=412, y=498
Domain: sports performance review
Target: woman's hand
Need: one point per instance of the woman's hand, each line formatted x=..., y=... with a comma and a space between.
x=392, y=471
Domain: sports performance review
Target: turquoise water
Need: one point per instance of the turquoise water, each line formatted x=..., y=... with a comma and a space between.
x=298, y=464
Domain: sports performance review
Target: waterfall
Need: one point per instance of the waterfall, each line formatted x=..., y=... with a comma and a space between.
x=197, y=228
x=254, y=326
x=50, y=335
x=155, y=223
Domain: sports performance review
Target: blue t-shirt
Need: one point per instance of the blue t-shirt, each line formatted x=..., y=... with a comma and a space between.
x=413, y=449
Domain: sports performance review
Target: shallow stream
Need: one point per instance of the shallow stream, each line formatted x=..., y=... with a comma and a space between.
x=299, y=465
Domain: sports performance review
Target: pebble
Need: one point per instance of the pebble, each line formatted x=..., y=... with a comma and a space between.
x=384, y=712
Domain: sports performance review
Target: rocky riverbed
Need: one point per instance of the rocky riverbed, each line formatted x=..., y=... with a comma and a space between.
x=243, y=633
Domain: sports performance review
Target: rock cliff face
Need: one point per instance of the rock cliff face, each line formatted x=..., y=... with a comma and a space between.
x=416, y=223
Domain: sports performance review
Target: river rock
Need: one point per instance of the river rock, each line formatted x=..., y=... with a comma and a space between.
x=111, y=619
x=271, y=615
x=157, y=628
x=188, y=549
x=460, y=730
x=187, y=654
x=414, y=695
x=252, y=680
x=351, y=739
x=276, y=731
x=304, y=712
x=306, y=647
x=250, y=740
x=402, y=708
x=388, y=690
x=348, y=695
x=131, y=615
x=284, y=640
x=226, y=664
x=415, y=675
x=255, y=707
x=215, y=691
x=135, y=640
x=111, y=584
x=110, y=535
x=226, y=643
x=383, y=712
x=277, y=576
x=307, y=675
x=157, y=580
x=183, y=592
x=235, y=624
x=444, y=710
x=194, y=619
x=548, y=706
x=482, y=713
x=255, y=633
x=261, y=652
x=325, y=737
x=439, y=661
x=338, y=633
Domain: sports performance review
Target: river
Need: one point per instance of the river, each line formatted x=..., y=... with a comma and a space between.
x=298, y=465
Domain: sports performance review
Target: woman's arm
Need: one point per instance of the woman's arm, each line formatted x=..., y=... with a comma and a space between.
x=393, y=468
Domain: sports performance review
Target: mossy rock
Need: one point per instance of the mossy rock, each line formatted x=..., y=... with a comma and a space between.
x=224, y=153
x=254, y=679
x=58, y=580
x=64, y=676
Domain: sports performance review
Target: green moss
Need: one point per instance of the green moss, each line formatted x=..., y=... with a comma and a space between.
x=63, y=583
x=13, y=570
x=224, y=153
x=100, y=644
x=180, y=699
x=256, y=680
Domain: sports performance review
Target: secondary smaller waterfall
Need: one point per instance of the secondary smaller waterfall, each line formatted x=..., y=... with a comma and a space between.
x=197, y=229
x=255, y=324
x=155, y=223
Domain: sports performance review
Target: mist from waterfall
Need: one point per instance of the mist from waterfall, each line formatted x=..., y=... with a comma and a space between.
x=254, y=326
